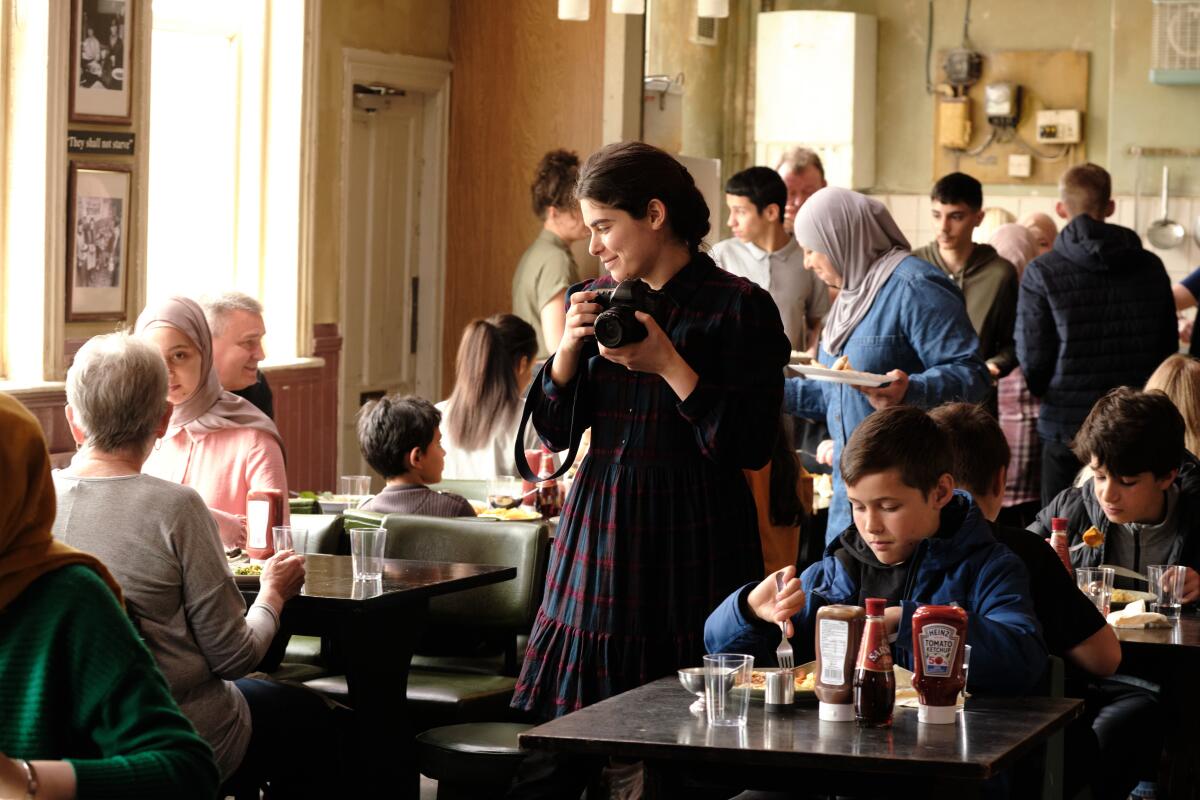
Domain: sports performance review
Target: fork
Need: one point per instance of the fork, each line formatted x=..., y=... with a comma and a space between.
x=783, y=653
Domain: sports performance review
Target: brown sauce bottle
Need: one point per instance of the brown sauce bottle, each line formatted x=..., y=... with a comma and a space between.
x=838, y=634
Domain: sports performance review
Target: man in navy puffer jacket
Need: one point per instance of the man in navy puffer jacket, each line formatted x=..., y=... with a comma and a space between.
x=1094, y=313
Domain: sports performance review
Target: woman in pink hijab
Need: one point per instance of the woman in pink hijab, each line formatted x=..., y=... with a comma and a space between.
x=1019, y=244
x=217, y=443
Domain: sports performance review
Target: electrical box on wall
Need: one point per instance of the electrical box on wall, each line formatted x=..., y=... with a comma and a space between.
x=1058, y=126
x=815, y=87
x=954, y=122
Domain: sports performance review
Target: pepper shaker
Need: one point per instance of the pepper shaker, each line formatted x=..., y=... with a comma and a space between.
x=781, y=688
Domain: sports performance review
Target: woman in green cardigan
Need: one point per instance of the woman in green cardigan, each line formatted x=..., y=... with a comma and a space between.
x=85, y=711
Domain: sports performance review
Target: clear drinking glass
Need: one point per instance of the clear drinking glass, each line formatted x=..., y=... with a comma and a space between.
x=504, y=491
x=354, y=489
x=1166, y=581
x=1097, y=584
x=366, y=552
x=727, y=687
x=281, y=537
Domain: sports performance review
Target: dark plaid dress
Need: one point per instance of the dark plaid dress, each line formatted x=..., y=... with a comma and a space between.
x=660, y=524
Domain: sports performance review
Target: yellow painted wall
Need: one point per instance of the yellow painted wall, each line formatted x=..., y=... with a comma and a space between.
x=408, y=27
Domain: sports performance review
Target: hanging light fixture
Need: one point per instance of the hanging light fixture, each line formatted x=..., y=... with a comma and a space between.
x=575, y=10
x=718, y=9
x=629, y=6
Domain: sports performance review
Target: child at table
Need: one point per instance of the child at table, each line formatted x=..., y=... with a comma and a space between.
x=1116, y=740
x=401, y=439
x=1144, y=493
x=914, y=540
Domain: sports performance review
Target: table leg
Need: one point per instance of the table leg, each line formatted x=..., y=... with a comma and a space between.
x=378, y=650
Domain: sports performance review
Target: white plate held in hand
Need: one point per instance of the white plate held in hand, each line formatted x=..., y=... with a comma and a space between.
x=853, y=377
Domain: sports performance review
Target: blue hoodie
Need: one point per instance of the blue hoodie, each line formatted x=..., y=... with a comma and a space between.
x=963, y=563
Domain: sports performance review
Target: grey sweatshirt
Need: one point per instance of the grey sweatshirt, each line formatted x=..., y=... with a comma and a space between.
x=160, y=542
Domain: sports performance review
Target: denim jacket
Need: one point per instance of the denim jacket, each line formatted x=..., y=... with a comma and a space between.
x=918, y=323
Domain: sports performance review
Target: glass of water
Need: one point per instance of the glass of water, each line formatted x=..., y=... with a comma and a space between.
x=1166, y=581
x=1097, y=584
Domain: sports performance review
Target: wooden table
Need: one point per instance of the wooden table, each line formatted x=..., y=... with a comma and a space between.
x=1170, y=657
x=376, y=626
x=653, y=724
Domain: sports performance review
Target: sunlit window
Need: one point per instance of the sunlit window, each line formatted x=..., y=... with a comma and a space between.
x=223, y=206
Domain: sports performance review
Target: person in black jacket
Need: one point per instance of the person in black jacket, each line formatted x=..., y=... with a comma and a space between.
x=1094, y=313
x=1115, y=742
x=1144, y=495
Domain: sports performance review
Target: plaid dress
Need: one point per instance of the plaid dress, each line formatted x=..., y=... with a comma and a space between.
x=1018, y=420
x=660, y=525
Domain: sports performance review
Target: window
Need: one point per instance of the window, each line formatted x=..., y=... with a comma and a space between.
x=225, y=128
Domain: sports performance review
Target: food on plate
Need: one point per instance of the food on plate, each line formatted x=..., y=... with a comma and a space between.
x=510, y=514
x=842, y=363
x=804, y=680
x=1093, y=537
x=1129, y=596
x=247, y=569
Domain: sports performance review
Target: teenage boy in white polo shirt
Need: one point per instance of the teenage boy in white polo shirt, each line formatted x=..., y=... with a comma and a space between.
x=763, y=252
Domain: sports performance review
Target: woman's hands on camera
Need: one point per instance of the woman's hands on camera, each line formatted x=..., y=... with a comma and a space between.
x=656, y=355
x=578, y=327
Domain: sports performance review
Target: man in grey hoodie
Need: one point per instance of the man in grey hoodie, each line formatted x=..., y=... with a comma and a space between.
x=988, y=282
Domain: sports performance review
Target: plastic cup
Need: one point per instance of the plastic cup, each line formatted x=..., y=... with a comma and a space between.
x=366, y=552
x=355, y=489
x=281, y=537
x=1166, y=581
x=727, y=688
x=1097, y=584
x=504, y=491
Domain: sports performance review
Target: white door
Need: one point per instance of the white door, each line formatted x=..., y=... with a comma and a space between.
x=381, y=316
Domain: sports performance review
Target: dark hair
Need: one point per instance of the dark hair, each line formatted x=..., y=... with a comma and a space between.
x=486, y=393
x=762, y=186
x=903, y=438
x=628, y=175
x=1129, y=432
x=390, y=427
x=958, y=187
x=980, y=449
x=1086, y=189
x=554, y=182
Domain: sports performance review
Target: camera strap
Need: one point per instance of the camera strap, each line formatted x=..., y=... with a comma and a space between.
x=526, y=413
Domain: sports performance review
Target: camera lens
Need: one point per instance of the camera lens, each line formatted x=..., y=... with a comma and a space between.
x=608, y=328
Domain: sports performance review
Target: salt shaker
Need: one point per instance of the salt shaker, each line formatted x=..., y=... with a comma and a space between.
x=781, y=688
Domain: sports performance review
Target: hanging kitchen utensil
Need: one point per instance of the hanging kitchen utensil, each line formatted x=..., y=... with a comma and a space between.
x=1165, y=233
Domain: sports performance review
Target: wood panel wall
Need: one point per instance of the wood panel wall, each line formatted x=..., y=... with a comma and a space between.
x=524, y=82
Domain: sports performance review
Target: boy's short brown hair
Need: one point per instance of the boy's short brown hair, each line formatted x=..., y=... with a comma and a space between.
x=1129, y=432
x=1086, y=189
x=903, y=438
x=980, y=449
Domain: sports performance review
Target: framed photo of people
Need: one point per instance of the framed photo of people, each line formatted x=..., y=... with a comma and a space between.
x=101, y=63
x=98, y=216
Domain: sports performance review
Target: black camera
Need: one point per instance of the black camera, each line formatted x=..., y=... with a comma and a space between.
x=616, y=326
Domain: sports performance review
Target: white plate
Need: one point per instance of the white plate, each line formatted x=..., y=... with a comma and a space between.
x=850, y=376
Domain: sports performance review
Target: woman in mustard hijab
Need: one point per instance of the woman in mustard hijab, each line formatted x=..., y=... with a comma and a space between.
x=85, y=711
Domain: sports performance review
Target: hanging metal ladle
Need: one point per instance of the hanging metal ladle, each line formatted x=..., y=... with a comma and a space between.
x=1165, y=233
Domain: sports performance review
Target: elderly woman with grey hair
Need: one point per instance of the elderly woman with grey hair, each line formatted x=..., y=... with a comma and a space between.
x=161, y=544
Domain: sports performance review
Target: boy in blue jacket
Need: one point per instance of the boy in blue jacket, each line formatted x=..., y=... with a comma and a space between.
x=914, y=541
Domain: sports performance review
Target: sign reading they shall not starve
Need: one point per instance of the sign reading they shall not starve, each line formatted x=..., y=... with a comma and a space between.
x=109, y=143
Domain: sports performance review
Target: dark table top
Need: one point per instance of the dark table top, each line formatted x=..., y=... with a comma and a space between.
x=329, y=581
x=1184, y=632
x=653, y=723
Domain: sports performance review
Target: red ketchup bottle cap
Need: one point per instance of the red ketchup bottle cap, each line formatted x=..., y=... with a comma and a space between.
x=875, y=606
x=1058, y=524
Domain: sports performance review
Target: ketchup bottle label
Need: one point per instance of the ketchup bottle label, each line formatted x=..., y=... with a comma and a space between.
x=939, y=646
x=835, y=639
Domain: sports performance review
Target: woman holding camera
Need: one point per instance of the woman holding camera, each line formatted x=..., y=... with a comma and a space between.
x=660, y=520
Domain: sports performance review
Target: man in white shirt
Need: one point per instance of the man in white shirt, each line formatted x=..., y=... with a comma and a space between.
x=766, y=254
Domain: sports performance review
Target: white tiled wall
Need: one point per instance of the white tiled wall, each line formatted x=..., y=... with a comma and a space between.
x=912, y=214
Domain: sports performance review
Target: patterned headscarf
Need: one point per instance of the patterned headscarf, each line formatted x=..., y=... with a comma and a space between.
x=862, y=243
x=209, y=408
x=27, y=508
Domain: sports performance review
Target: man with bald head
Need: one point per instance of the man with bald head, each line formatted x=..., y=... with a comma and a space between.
x=1094, y=313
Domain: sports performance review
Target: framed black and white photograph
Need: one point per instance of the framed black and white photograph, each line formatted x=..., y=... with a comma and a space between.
x=97, y=241
x=101, y=63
